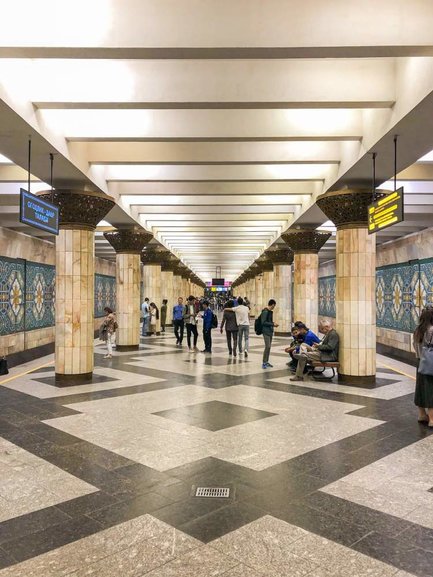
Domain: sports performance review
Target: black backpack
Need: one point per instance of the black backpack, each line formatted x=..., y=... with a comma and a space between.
x=258, y=327
x=214, y=321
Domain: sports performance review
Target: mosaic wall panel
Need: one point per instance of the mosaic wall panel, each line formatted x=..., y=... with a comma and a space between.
x=327, y=296
x=40, y=296
x=105, y=293
x=402, y=291
x=397, y=289
x=27, y=295
x=12, y=290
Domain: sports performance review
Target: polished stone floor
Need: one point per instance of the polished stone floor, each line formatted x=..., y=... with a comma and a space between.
x=99, y=479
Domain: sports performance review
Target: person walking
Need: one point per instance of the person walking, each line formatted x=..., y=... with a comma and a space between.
x=207, y=327
x=163, y=315
x=242, y=313
x=146, y=317
x=154, y=317
x=422, y=342
x=191, y=323
x=268, y=326
x=107, y=331
x=178, y=321
x=229, y=321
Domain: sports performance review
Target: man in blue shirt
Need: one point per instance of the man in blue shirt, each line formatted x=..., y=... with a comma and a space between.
x=307, y=335
x=178, y=322
x=207, y=327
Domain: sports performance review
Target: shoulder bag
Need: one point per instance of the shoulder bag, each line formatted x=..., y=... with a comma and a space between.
x=426, y=360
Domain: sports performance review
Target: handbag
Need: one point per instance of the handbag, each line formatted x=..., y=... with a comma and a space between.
x=426, y=360
x=4, y=369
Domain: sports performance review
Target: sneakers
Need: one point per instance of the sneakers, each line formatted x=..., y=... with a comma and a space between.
x=246, y=353
x=265, y=366
x=108, y=356
x=296, y=378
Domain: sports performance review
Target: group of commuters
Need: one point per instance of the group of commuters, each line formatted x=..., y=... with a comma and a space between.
x=305, y=349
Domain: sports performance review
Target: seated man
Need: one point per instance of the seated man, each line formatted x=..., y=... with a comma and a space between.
x=293, y=348
x=308, y=337
x=326, y=351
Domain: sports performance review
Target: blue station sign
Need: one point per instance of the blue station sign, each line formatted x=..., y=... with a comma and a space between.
x=38, y=213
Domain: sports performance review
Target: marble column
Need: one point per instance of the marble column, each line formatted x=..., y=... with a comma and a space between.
x=169, y=287
x=152, y=259
x=282, y=259
x=305, y=244
x=356, y=282
x=268, y=281
x=258, y=288
x=79, y=213
x=128, y=244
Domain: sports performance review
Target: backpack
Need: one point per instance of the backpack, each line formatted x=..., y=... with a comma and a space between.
x=258, y=327
x=214, y=321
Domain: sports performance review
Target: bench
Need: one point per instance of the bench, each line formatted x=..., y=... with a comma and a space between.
x=318, y=375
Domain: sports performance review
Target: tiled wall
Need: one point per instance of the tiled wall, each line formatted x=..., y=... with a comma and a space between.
x=105, y=293
x=402, y=290
x=27, y=295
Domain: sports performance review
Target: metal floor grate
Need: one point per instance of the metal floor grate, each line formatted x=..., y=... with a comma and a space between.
x=212, y=492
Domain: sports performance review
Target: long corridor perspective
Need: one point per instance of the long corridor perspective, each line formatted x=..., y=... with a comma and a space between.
x=99, y=479
x=216, y=288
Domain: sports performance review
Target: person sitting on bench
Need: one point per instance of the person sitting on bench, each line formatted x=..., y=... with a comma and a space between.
x=326, y=351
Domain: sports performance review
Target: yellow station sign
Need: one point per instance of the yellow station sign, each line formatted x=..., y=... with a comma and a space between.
x=386, y=211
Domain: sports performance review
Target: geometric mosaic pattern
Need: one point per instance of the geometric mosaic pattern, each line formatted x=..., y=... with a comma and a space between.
x=105, y=293
x=12, y=276
x=27, y=295
x=327, y=296
x=402, y=290
x=40, y=296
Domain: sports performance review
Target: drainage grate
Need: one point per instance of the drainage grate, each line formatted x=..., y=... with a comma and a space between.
x=212, y=492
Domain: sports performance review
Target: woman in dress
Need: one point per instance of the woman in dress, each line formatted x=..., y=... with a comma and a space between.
x=107, y=331
x=154, y=317
x=423, y=336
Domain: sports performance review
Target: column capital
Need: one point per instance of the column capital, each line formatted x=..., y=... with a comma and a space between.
x=305, y=240
x=128, y=241
x=79, y=209
x=348, y=208
x=283, y=255
x=152, y=255
x=265, y=264
x=169, y=264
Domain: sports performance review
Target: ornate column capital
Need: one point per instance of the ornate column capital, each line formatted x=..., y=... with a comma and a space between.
x=128, y=241
x=152, y=255
x=305, y=240
x=79, y=209
x=348, y=208
x=264, y=264
x=283, y=255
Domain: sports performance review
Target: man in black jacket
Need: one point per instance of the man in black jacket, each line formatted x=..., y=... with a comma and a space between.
x=325, y=351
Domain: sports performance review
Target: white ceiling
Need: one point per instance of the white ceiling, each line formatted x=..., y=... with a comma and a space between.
x=216, y=125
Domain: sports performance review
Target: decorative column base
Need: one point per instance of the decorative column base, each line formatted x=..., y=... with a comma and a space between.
x=357, y=380
x=126, y=348
x=63, y=380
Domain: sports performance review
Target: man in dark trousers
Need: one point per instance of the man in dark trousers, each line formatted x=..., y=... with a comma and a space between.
x=268, y=325
x=178, y=322
x=207, y=327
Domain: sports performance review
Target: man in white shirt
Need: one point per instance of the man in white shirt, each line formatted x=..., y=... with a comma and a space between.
x=242, y=313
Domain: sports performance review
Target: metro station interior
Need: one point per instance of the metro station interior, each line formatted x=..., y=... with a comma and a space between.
x=273, y=160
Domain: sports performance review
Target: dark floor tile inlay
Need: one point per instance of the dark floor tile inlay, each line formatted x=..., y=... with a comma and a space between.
x=96, y=379
x=214, y=415
x=290, y=490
